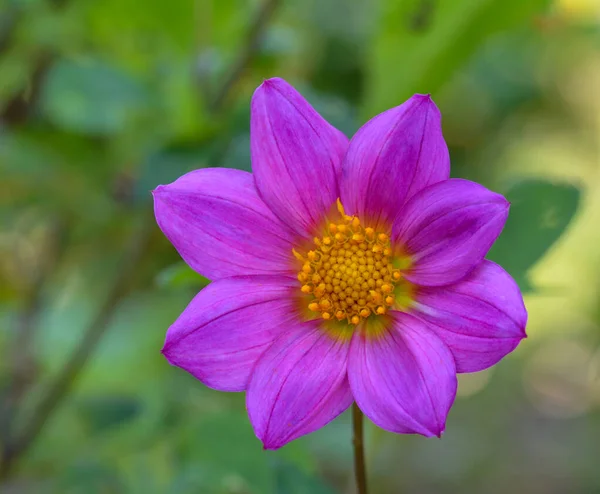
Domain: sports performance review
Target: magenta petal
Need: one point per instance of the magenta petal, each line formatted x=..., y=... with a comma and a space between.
x=403, y=380
x=447, y=229
x=392, y=157
x=296, y=156
x=227, y=326
x=298, y=385
x=220, y=226
x=481, y=318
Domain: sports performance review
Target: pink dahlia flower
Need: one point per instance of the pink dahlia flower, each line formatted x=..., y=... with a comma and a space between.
x=341, y=271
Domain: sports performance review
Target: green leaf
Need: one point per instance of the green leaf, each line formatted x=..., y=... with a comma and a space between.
x=88, y=476
x=421, y=43
x=91, y=97
x=539, y=214
x=337, y=111
x=226, y=446
x=238, y=153
x=291, y=480
x=167, y=166
x=181, y=275
x=103, y=412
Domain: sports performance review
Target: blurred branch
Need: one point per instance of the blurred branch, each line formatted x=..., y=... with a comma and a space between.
x=18, y=109
x=8, y=20
x=57, y=390
x=249, y=49
x=22, y=362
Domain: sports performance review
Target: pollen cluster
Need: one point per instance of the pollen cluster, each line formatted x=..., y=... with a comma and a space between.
x=348, y=273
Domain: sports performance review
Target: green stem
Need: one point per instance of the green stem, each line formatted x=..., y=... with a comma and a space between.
x=359, y=450
x=248, y=50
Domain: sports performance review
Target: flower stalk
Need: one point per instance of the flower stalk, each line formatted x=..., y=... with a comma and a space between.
x=359, y=450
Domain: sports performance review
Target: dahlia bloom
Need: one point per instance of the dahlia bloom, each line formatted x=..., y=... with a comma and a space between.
x=341, y=271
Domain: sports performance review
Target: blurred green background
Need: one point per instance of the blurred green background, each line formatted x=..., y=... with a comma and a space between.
x=100, y=101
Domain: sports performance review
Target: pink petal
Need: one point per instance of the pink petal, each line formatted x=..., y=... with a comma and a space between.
x=219, y=225
x=298, y=385
x=392, y=157
x=227, y=326
x=447, y=230
x=481, y=318
x=403, y=380
x=296, y=156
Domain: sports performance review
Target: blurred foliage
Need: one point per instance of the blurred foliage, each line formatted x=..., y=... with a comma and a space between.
x=420, y=43
x=540, y=212
x=100, y=102
x=91, y=98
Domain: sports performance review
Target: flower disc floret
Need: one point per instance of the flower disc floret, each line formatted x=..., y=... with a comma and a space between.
x=349, y=273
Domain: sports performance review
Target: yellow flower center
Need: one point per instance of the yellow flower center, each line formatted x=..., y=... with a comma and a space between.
x=349, y=274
